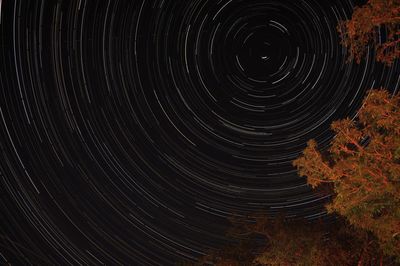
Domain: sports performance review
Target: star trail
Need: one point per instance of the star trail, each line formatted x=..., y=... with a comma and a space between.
x=130, y=130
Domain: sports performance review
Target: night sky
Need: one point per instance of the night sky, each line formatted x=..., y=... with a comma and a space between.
x=131, y=129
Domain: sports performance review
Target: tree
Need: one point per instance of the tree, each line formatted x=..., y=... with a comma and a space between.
x=377, y=24
x=298, y=243
x=287, y=242
x=363, y=165
x=303, y=243
x=241, y=253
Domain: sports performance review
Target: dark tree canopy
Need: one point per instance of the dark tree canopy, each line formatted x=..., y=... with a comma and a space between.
x=296, y=242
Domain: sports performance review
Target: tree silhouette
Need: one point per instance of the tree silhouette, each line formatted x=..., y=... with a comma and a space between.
x=363, y=165
x=288, y=242
x=377, y=24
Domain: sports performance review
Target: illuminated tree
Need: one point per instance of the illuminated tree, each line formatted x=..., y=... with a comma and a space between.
x=377, y=24
x=363, y=165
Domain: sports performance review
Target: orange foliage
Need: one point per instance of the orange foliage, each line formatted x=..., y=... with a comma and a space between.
x=365, y=26
x=364, y=166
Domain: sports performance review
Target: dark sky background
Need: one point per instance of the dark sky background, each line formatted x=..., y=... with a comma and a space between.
x=130, y=130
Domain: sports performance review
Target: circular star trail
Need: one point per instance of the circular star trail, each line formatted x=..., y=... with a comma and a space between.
x=130, y=130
